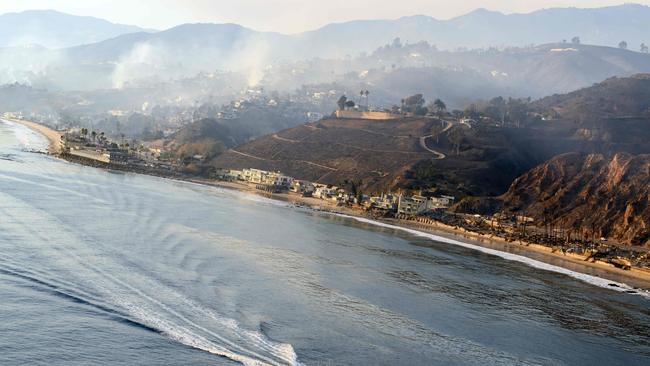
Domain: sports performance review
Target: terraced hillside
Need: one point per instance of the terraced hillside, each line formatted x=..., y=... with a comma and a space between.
x=332, y=150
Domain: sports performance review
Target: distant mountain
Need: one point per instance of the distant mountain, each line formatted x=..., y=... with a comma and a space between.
x=53, y=29
x=458, y=77
x=482, y=28
x=188, y=49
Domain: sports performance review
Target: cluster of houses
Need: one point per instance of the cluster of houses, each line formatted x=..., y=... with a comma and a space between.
x=98, y=148
x=277, y=182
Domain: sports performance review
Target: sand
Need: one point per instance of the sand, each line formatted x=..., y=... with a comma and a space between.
x=635, y=277
x=53, y=136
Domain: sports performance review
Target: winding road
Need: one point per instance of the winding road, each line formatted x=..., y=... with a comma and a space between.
x=423, y=142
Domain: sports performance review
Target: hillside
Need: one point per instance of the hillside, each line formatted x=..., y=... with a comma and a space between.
x=586, y=192
x=376, y=152
x=613, y=98
x=479, y=160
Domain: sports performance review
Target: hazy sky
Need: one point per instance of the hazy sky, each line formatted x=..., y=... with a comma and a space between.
x=286, y=16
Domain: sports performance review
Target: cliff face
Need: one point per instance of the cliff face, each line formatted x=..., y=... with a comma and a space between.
x=609, y=196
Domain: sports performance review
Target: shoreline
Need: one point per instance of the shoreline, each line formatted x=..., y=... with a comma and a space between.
x=636, y=277
x=54, y=137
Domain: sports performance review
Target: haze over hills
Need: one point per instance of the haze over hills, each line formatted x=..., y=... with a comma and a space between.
x=484, y=28
x=52, y=29
x=188, y=49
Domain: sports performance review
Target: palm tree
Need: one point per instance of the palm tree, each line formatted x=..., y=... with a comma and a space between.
x=367, y=100
x=93, y=135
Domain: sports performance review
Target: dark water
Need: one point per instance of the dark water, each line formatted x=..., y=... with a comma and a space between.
x=101, y=268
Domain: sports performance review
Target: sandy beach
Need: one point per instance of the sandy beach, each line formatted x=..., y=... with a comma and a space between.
x=636, y=277
x=54, y=137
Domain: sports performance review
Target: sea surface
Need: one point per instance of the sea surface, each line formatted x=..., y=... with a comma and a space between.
x=106, y=268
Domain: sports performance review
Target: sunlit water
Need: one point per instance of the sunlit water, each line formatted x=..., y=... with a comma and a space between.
x=104, y=268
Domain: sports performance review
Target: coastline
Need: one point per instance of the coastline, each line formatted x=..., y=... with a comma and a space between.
x=54, y=137
x=637, y=278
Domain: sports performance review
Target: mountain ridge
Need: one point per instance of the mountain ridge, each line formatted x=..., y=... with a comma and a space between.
x=54, y=29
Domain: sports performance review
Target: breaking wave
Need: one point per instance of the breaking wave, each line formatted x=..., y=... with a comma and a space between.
x=596, y=281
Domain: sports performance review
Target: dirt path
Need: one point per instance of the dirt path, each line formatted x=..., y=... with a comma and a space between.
x=423, y=141
x=299, y=161
x=275, y=136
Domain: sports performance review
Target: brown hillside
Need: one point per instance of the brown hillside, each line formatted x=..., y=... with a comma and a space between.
x=613, y=98
x=585, y=192
x=479, y=160
x=333, y=150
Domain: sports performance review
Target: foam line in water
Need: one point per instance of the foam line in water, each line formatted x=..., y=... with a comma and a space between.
x=139, y=301
x=597, y=281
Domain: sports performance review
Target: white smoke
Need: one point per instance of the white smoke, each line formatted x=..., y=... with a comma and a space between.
x=145, y=61
x=250, y=56
x=26, y=64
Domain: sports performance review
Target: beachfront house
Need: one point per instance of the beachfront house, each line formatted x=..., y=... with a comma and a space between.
x=325, y=192
x=302, y=187
x=419, y=205
x=230, y=175
x=386, y=201
x=264, y=177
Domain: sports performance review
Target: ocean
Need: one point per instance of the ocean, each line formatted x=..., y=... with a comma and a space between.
x=110, y=268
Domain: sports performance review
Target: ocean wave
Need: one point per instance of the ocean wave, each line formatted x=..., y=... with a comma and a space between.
x=593, y=280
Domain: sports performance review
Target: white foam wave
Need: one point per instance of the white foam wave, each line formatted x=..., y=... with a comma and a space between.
x=597, y=281
x=27, y=138
x=145, y=300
